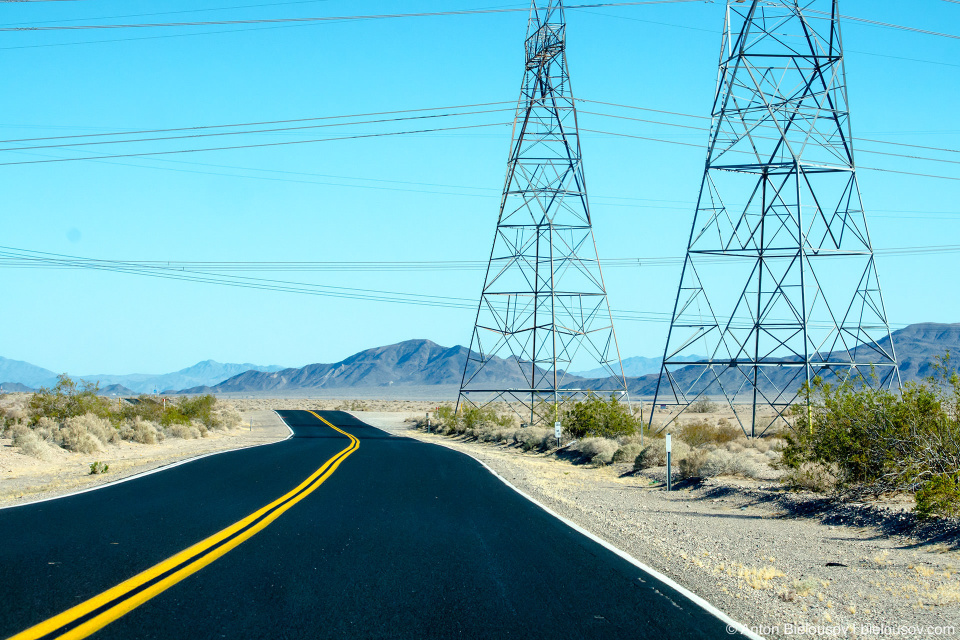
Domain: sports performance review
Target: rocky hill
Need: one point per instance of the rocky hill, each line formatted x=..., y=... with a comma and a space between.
x=409, y=363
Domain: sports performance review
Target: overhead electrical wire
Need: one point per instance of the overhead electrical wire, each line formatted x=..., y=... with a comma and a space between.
x=469, y=106
x=256, y=123
x=264, y=284
x=200, y=23
x=258, y=145
x=382, y=16
x=274, y=130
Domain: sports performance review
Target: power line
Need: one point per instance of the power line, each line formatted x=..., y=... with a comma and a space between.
x=255, y=146
x=698, y=146
x=889, y=25
x=255, y=124
x=423, y=14
x=274, y=130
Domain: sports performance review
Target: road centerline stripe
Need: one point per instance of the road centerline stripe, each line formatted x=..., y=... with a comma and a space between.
x=131, y=593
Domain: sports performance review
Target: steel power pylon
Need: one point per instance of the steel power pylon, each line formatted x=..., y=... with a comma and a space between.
x=779, y=284
x=544, y=305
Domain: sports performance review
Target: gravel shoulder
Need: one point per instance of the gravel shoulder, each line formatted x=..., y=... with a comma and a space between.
x=24, y=479
x=783, y=563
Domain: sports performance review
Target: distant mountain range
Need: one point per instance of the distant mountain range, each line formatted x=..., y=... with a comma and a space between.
x=633, y=367
x=917, y=347
x=425, y=363
x=208, y=372
x=409, y=363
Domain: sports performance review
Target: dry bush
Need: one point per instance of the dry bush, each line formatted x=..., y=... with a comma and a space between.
x=699, y=433
x=704, y=405
x=99, y=428
x=30, y=443
x=83, y=434
x=47, y=429
x=812, y=476
x=225, y=417
x=184, y=431
x=691, y=465
x=598, y=451
x=627, y=452
x=720, y=462
x=655, y=454
x=142, y=431
x=533, y=437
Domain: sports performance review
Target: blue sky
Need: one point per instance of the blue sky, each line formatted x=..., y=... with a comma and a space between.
x=430, y=197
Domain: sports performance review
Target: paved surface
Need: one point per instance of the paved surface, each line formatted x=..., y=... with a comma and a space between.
x=402, y=540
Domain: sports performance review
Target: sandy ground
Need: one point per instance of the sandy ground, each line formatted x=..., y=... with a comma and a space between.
x=24, y=479
x=757, y=552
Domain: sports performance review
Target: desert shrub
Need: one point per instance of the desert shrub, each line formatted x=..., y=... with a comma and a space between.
x=444, y=417
x=184, y=431
x=598, y=451
x=703, y=405
x=74, y=437
x=596, y=417
x=940, y=495
x=812, y=476
x=99, y=428
x=655, y=454
x=140, y=430
x=533, y=437
x=747, y=462
x=699, y=433
x=881, y=441
x=225, y=417
x=29, y=442
x=99, y=467
x=691, y=465
x=627, y=452
x=67, y=399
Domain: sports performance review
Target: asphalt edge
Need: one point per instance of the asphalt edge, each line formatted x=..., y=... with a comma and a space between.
x=152, y=471
x=732, y=625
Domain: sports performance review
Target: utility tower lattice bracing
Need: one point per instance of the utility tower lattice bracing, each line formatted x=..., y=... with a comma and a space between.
x=543, y=306
x=779, y=284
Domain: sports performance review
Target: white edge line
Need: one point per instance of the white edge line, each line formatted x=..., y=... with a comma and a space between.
x=151, y=471
x=706, y=606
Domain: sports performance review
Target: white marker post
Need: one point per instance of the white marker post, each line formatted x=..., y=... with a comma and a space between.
x=557, y=431
x=428, y=422
x=669, y=467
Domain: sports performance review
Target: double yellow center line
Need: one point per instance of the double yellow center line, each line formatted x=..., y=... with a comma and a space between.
x=99, y=611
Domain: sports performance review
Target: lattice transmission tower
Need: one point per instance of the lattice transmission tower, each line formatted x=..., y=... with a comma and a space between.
x=543, y=307
x=779, y=284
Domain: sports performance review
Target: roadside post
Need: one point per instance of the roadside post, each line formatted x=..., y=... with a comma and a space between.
x=669, y=466
x=557, y=431
x=428, y=422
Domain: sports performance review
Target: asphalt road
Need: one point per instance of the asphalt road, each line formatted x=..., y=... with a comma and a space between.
x=389, y=538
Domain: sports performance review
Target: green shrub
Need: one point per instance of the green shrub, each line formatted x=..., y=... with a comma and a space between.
x=940, y=495
x=67, y=400
x=598, y=418
x=98, y=467
x=880, y=441
x=699, y=433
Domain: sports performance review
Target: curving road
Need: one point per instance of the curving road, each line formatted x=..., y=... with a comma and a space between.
x=340, y=531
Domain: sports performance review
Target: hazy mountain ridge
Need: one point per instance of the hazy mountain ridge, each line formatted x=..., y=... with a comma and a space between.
x=917, y=347
x=425, y=363
x=634, y=366
x=208, y=372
